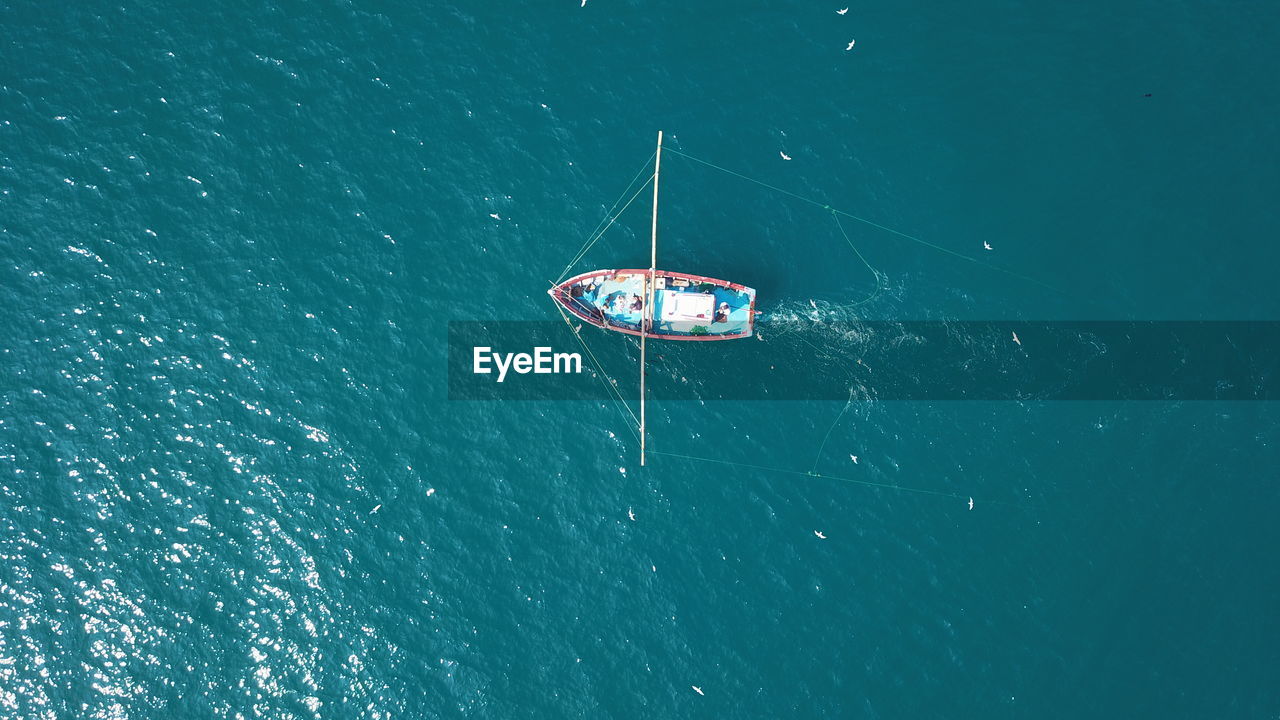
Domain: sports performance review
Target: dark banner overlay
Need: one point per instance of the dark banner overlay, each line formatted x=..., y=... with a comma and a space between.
x=879, y=360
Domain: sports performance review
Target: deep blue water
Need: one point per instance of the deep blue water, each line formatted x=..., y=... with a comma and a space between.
x=233, y=483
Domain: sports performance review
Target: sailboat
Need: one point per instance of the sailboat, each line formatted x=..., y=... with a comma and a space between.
x=658, y=303
x=661, y=304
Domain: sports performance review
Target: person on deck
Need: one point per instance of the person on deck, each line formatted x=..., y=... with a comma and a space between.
x=722, y=313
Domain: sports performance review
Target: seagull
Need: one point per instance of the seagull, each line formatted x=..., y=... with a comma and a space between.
x=784, y=155
x=813, y=305
x=494, y=216
x=431, y=491
x=851, y=42
x=970, y=503
x=584, y=3
x=631, y=515
x=820, y=535
x=986, y=245
x=376, y=508
x=841, y=12
x=854, y=458
x=697, y=689
x=1015, y=339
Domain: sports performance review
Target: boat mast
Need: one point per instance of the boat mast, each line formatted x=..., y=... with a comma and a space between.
x=646, y=317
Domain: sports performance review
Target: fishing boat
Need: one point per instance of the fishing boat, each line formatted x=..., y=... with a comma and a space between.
x=682, y=306
x=658, y=303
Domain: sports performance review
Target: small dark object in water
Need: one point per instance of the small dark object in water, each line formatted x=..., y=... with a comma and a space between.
x=1147, y=95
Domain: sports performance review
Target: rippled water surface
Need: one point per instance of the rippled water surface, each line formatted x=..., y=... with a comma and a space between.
x=232, y=483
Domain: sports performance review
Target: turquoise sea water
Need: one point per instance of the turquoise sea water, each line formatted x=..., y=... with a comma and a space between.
x=233, y=483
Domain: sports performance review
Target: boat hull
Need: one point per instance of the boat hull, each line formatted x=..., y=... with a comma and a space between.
x=686, y=307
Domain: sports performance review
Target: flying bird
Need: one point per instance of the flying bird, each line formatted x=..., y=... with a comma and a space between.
x=851, y=42
x=986, y=245
x=784, y=155
x=970, y=503
x=697, y=689
x=820, y=535
x=854, y=458
x=1015, y=339
x=841, y=12
x=631, y=514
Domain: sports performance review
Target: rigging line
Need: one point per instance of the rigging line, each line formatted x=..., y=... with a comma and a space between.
x=899, y=233
x=604, y=378
x=624, y=192
x=600, y=234
x=868, y=483
x=609, y=214
x=880, y=278
x=827, y=437
x=595, y=236
x=880, y=285
x=607, y=381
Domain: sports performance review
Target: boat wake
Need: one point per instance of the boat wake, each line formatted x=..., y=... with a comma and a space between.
x=833, y=325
